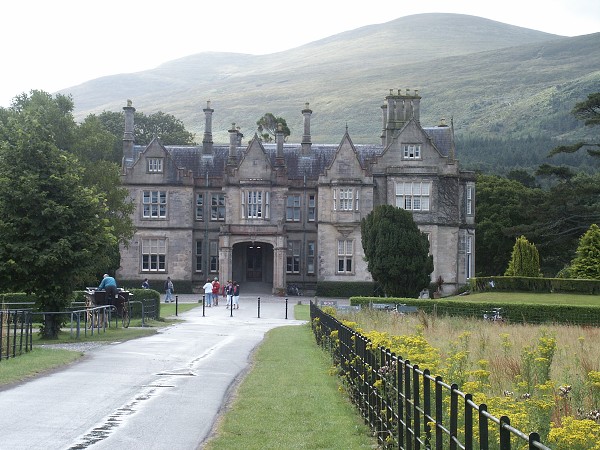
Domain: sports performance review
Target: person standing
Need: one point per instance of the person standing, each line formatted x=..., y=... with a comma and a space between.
x=216, y=291
x=145, y=284
x=236, y=295
x=109, y=284
x=229, y=292
x=169, y=290
x=208, y=288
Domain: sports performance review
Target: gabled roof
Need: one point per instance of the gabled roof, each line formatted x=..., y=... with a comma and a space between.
x=298, y=166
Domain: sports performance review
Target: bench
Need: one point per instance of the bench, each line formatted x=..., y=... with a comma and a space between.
x=404, y=309
x=329, y=303
x=348, y=308
x=383, y=306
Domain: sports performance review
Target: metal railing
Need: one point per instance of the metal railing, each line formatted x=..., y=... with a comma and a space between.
x=407, y=407
x=15, y=332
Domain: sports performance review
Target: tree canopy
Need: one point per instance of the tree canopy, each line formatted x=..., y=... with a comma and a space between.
x=61, y=215
x=588, y=111
x=267, y=126
x=524, y=261
x=587, y=262
x=396, y=251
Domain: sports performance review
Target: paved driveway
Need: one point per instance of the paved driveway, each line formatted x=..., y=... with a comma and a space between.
x=160, y=392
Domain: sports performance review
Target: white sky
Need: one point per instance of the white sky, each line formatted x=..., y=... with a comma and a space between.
x=55, y=44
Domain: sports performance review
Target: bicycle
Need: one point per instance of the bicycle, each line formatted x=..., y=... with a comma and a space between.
x=495, y=315
x=123, y=309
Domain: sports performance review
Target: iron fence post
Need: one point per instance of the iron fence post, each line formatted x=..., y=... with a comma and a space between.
x=259, y=307
x=286, y=308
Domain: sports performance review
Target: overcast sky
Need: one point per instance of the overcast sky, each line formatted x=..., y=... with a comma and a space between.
x=55, y=44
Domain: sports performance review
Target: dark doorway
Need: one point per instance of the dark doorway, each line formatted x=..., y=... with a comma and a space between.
x=254, y=262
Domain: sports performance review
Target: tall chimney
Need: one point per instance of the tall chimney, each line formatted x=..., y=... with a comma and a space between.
x=233, y=132
x=384, y=119
x=416, y=106
x=207, y=140
x=279, y=160
x=128, y=134
x=306, y=138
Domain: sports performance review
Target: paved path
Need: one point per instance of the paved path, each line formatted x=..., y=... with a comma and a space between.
x=159, y=392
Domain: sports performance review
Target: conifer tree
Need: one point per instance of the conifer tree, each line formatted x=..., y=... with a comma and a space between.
x=525, y=260
x=587, y=262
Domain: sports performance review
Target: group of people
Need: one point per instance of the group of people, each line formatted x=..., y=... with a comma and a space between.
x=212, y=292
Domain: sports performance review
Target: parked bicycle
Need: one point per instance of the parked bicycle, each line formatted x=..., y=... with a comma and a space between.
x=495, y=315
x=293, y=289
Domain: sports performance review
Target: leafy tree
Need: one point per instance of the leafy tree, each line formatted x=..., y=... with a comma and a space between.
x=54, y=230
x=566, y=211
x=268, y=125
x=588, y=111
x=502, y=205
x=525, y=260
x=587, y=262
x=396, y=251
x=170, y=130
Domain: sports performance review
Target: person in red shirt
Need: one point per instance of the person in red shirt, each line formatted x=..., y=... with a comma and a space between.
x=216, y=291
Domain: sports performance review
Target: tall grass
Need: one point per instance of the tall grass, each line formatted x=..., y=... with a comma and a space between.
x=505, y=360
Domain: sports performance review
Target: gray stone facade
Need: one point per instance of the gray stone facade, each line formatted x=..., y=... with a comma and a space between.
x=290, y=213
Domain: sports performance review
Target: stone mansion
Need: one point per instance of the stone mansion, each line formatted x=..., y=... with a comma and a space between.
x=290, y=213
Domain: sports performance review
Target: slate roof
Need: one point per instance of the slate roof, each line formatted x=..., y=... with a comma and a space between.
x=321, y=156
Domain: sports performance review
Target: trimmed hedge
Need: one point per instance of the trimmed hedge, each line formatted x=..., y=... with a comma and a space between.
x=533, y=284
x=347, y=289
x=511, y=312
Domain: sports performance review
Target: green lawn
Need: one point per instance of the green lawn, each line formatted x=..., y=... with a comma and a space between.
x=528, y=297
x=290, y=400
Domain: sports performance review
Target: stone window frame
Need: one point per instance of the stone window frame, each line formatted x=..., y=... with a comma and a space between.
x=293, y=259
x=217, y=207
x=345, y=257
x=412, y=151
x=155, y=165
x=200, y=206
x=198, y=256
x=416, y=198
x=153, y=255
x=154, y=204
x=292, y=211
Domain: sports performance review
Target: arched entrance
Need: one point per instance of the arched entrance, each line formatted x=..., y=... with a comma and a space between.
x=252, y=262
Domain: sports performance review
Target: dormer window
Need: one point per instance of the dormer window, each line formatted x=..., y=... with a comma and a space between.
x=155, y=165
x=412, y=151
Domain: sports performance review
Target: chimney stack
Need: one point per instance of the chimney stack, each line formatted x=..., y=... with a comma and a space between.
x=233, y=138
x=207, y=140
x=306, y=138
x=279, y=159
x=128, y=134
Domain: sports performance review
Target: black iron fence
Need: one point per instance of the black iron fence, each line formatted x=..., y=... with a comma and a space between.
x=15, y=332
x=407, y=407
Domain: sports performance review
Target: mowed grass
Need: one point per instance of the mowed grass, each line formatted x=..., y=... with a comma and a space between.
x=289, y=400
x=34, y=363
x=530, y=298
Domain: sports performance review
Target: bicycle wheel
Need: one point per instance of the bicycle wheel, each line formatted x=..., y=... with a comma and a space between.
x=125, y=317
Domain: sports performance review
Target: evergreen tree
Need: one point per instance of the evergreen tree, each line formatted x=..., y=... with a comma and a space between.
x=587, y=262
x=396, y=251
x=525, y=260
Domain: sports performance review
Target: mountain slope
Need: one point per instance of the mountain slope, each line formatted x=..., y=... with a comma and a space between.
x=492, y=78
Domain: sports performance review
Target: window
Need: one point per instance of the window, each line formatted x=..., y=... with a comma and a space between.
x=217, y=207
x=470, y=198
x=199, y=206
x=198, y=256
x=345, y=255
x=310, y=257
x=155, y=165
x=428, y=241
x=413, y=196
x=412, y=151
x=469, y=256
x=293, y=257
x=344, y=199
x=214, y=256
x=292, y=208
x=312, y=207
x=155, y=204
x=154, y=255
x=255, y=204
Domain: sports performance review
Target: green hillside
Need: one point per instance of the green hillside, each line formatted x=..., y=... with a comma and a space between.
x=497, y=81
